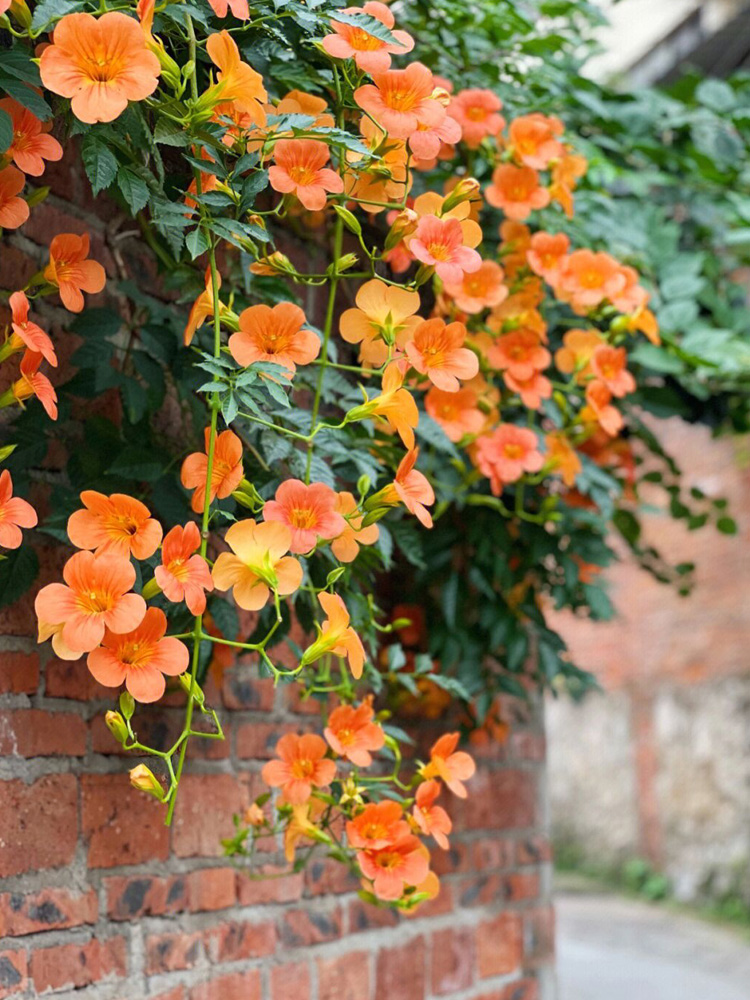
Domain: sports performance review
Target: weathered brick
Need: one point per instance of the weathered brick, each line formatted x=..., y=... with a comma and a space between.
x=131, y=897
x=241, y=986
x=452, y=960
x=278, y=889
x=121, y=826
x=344, y=978
x=235, y=941
x=172, y=952
x=211, y=889
x=204, y=813
x=47, y=910
x=30, y=732
x=66, y=679
x=290, y=981
x=20, y=671
x=14, y=973
x=257, y=740
x=306, y=927
x=401, y=971
x=47, y=808
x=364, y=917
x=324, y=877
x=73, y=966
x=242, y=689
x=499, y=800
x=499, y=945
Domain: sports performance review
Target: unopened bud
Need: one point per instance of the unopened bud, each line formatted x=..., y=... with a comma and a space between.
x=257, y=220
x=170, y=71
x=363, y=484
x=342, y=264
x=467, y=189
x=127, y=704
x=37, y=197
x=350, y=220
x=254, y=815
x=116, y=725
x=274, y=263
x=150, y=589
x=20, y=11
x=7, y=451
x=403, y=225
x=142, y=778
x=441, y=95
x=187, y=683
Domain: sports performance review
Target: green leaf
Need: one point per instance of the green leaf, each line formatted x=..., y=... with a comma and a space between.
x=196, y=242
x=657, y=359
x=26, y=96
x=169, y=133
x=367, y=23
x=134, y=189
x=716, y=94
x=6, y=131
x=99, y=162
x=52, y=10
x=138, y=464
x=727, y=525
x=18, y=63
x=17, y=573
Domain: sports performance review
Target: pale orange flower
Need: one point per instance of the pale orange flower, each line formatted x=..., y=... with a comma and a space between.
x=300, y=169
x=516, y=191
x=377, y=825
x=633, y=296
x=477, y=112
x=519, y=354
x=546, y=255
x=236, y=81
x=645, y=321
x=69, y=268
x=609, y=365
x=14, y=211
x=577, y=350
x=302, y=825
x=346, y=546
x=401, y=100
x=139, y=658
x=302, y=766
x=32, y=383
x=226, y=473
x=371, y=54
x=119, y=524
x=565, y=175
x=535, y=139
x=506, y=454
x=30, y=146
x=352, y=733
x=336, y=636
x=100, y=63
x=436, y=350
x=257, y=564
x=395, y=405
x=15, y=514
x=275, y=334
x=599, y=408
x=588, y=279
x=28, y=334
x=202, y=308
x=94, y=597
x=431, y=819
x=456, y=412
x=411, y=488
x=450, y=765
x=239, y=8
x=183, y=574
x=432, y=142
x=385, y=315
x=309, y=512
x=439, y=243
x=532, y=390
x=482, y=289
x=392, y=869
x=562, y=457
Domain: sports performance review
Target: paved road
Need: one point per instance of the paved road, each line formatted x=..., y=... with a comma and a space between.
x=619, y=949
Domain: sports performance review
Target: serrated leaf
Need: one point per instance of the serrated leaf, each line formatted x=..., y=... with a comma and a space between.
x=169, y=133
x=367, y=23
x=6, y=131
x=99, y=162
x=52, y=10
x=196, y=242
x=134, y=189
x=26, y=96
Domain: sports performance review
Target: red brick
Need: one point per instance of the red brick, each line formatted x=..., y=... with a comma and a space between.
x=65, y=679
x=47, y=910
x=277, y=889
x=499, y=800
x=539, y=936
x=499, y=945
x=178, y=993
x=47, y=808
x=290, y=981
x=234, y=942
x=524, y=989
x=211, y=889
x=172, y=952
x=344, y=978
x=401, y=971
x=242, y=986
x=493, y=853
x=30, y=732
x=73, y=966
x=324, y=877
x=131, y=897
x=528, y=746
x=16, y=267
x=452, y=953
x=306, y=927
x=242, y=689
x=257, y=740
x=522, y=885
x=14, y=972
x=205, y=805
x=121, y=826
x=365, y=917
x=20, y=672
x=532, y=850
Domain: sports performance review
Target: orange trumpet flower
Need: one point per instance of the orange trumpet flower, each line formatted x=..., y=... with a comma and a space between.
x=15, y=514
x=226, y=473
x=70, y=270
x=183, y=574
x=118, y=523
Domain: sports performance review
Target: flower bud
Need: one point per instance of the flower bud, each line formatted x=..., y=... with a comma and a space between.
x=150, y=589
x=142, y=778
x=403, y=225
x=127, y=704
x=342, y=264
x=441, y=95
x=254, y=815
x=7, y=451
x=350, y=220
x=467, y=189
x=20, y=11
x=198, y=696
x=363, y=484
x=116, y=725
x=274, y=263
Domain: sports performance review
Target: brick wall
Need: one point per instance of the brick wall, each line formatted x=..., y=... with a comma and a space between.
x=659, y=766
x=99, y=900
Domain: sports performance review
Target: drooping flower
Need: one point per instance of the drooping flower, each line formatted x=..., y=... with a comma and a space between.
x=119, y=524
x=477, y=112
x=395, y=405
x=577, y=350
x=535, y=139
x=239, y=8
x=436, y=350
x=431, y=819
x=308, y=511
x=505, y=454
x=562, y=457
x=565, y=174
x=14, y=211
x=336, y=636
x=276, y=334
x=392, y=869
x=15, y=513
x=456, y=412
x=429, y=142
x=450, y=765
x=183, y=574
x=257, y=564
x=94, y=597
x=140, y=658
x=32, y=383
x=546, y=255
x=516, y=191
x=482, y=289
x=28, y=333
x=100, y=63
x=532, y=390
x=372, y=55
x=226, y=473
x=346, y=545
x=589, y=278
x=202, y=308
x=400, y=100
x=300, y=169
x=439, y=243
x=385, y=315
x=302, y=825
x=69, y=268
x=411, y=488
x=519, y=354
x=599, y=408
x=236, y=81
x=59, y=647
x=30, y=145
x=352, y=733
x=609, y=364
x=302, y=766
x=377, y=825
